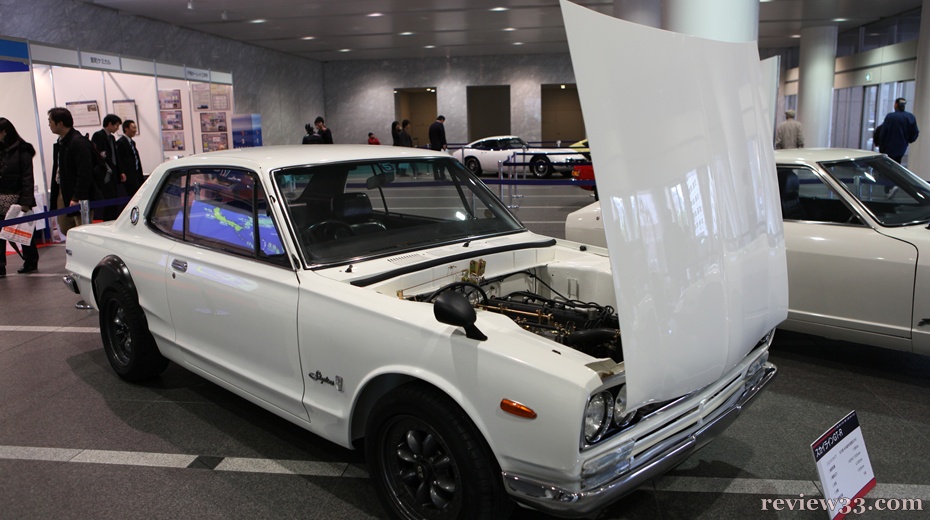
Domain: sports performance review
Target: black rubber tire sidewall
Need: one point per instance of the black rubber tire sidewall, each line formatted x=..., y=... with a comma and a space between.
x=144, y=361
x=482, y=495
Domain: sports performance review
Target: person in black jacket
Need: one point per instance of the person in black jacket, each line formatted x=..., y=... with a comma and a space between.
x=72, y=168
x=105, y=144
x=405, y=138
x=127, y=157
x=16, y=187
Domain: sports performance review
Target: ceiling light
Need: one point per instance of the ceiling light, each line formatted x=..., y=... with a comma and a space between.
x=518, y=43
x=308, y=38
x=190, y=5
x=406, y=33
x=509, y=29
x=795, y=36
x=345, y=50
x=258, y=20
x=224, y=16
x=375, y=15
x=499, y=9
x=840, y=20
x=429, y=47
x=562, y=87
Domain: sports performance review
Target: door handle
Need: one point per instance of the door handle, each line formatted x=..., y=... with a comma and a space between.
x=179, y=265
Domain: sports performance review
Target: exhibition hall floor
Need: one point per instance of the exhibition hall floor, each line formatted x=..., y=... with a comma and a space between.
x=78, y=442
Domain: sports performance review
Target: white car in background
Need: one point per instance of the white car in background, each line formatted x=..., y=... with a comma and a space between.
x=483, y=155
x=857, y=243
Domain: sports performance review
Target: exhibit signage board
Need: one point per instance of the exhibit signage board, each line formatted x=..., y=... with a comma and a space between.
x=196, y=74
x=843, y=465
x=93, y=60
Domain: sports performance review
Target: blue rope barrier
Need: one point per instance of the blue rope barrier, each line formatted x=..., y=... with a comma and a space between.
x=62, y=211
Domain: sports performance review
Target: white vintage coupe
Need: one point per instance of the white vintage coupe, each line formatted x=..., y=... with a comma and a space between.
x=483, y=155
x=478, y=362
x=855, y=225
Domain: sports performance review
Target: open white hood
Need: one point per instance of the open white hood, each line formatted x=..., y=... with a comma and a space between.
x=682, y=148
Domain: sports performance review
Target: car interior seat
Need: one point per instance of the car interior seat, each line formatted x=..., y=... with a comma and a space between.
x=788, y=186
x=355, y=209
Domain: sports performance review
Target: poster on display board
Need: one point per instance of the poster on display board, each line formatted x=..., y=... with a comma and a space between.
x=169, y=99
x=213, y=122
x=214, y=142
x=172, y=141
x=85, y=113
x=209, y=96
x=172, y=120
x=126, y=110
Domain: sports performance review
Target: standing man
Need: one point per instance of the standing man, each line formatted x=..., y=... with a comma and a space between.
x=106, y=146
x=325, y=133
x=437, y=134
x=127, y=157
x=898, y=130
x=72, y=167
x=789, y=134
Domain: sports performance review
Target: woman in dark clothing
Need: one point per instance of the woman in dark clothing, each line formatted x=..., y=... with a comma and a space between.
x=395, y=133
x=16, y=187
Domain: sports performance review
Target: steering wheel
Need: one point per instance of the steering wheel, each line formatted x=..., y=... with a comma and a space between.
x=329, y=229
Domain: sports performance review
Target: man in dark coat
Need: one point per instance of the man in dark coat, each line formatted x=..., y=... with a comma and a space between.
x=437, y=134
x=72, y=167
x=127, y=157
x=105, y=143
x=898, y=130
x=437, y=141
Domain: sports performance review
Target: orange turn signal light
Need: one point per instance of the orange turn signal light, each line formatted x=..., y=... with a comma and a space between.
x=515, y=408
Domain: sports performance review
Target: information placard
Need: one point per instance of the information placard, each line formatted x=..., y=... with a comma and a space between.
x=84, y=113
x=843, y=465
x=126, y=110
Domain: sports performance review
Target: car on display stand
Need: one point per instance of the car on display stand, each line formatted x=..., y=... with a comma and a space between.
x=478, y=363
x=483, y=156
x=857, y=246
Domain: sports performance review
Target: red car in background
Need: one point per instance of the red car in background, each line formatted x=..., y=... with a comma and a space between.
x=584, y=172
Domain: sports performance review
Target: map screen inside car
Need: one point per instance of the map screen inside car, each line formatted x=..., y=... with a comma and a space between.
x=225, y=225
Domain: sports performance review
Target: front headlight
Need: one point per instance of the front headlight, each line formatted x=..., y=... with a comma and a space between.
x=597, y=416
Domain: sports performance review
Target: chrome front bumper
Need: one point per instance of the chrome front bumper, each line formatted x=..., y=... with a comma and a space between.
x=575, y=504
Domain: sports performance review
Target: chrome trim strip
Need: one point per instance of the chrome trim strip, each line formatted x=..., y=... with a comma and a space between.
x=575, y=504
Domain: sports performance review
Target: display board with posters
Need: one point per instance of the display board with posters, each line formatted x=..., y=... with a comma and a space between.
x=85, y=113
x=126, y=110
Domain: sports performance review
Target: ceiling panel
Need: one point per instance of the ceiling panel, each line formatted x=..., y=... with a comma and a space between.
x=385, y=29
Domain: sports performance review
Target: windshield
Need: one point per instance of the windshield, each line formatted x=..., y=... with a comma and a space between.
x=513, y=143
x=354, y=210
x=890, y=193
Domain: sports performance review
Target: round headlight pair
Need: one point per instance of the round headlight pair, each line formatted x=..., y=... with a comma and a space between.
x=597, y=416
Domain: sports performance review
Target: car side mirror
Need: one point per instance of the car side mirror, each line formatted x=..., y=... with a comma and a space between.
x=453, y=308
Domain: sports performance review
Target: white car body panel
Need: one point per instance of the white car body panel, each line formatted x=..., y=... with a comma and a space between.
x=710, y=209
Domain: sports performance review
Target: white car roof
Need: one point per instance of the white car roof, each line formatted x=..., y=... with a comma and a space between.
x=273, y=157
x=815, y=155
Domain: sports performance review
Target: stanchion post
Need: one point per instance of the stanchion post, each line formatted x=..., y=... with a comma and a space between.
x=85, y=211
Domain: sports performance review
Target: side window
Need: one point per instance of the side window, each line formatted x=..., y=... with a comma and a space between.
x=804, y=196
x=167, y=214
x=224, y=210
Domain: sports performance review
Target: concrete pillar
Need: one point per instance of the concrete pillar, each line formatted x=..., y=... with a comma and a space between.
x=918, y=154
x=643, y=12
x=815, y=84
x=725, y=20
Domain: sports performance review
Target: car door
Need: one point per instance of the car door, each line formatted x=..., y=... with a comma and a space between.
x=487, y=151
x=232, y=292
x=842, y=273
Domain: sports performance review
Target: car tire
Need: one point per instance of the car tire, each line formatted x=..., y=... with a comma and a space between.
x=473, y=165
x=541, y=167
x=129, y=345
x=428, y=460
